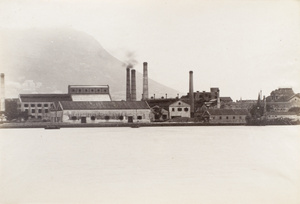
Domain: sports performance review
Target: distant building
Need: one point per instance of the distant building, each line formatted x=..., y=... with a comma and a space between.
x=179, y=109
x=282, y=115
x=226, y=116
x=89, y=92
x=159, y=114
x=100, y=111
x=282, y=100
x=37, y=105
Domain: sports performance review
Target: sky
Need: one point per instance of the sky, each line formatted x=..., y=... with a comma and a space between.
x=240, y=46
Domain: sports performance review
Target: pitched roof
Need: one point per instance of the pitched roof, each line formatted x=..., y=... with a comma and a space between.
x=228, y=111
x=103, y=105
x=44, y=97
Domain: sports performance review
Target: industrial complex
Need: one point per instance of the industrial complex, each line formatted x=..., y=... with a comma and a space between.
x=93, y=104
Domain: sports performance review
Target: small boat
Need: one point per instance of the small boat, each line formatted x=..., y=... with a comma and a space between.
x=135, y=126
x=50, y=127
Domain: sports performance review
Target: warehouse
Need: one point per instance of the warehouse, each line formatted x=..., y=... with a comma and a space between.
x=100, y=111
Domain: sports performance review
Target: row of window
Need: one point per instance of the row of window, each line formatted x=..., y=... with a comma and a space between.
x=227, y=117
x=35, y=105
x=89, y=90
x=106, y=117
x=180, y=109
x=38, y=111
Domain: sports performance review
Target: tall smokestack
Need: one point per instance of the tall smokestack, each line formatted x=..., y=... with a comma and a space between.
x=128, y=84
x=145, y=81
x=133, y=85
x=2, y=93
x=191, y=94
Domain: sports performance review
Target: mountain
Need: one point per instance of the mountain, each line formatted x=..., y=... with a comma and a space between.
x=48, y=60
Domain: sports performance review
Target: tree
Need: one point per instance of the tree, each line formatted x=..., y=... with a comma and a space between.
x=11, y=109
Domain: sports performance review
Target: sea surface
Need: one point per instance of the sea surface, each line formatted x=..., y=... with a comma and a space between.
x=157, y=165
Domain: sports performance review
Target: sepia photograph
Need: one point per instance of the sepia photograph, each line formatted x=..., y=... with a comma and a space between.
x=150, y=102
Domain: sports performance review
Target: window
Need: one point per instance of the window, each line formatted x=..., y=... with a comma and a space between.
x=25, y=105
x=213, y=117
x=220, y=117
x=73, y=90
x=33, y=111
x=139, y=117
x=46, y=110
x=233, y=117
x=39, y=105
x=179, y=103
x=32, y=105
x=40, y=110
x=179, y=109
x=86, y=90
x=227, y=117
x=186, y=109
x=45, y=105
x=26, y=110
x=240, y=117
x=106, y=117
x=92, y=90
x=74, y=118
x=173, y=109
x=93, y=118
x=121, y=117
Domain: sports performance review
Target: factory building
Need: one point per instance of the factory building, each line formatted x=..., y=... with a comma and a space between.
x=89, y=92
x=282, y=100
x=100, y=111
x=179, y=109
x=38, y=105
x=226, y=116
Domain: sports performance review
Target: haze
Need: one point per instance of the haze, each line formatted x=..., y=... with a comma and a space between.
x=241, y=47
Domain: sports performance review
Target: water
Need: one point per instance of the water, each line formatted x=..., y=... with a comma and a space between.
x=151, y=165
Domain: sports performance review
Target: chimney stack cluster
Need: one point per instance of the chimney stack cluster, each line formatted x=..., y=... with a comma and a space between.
x=131, y=83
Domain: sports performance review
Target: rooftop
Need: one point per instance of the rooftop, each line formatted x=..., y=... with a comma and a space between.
x=103, y=105
x=44, y=97
x=228, y=111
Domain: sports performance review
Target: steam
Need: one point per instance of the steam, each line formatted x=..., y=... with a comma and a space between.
x=130, y=61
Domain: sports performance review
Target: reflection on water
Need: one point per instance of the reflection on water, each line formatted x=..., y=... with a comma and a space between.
x=150, y=165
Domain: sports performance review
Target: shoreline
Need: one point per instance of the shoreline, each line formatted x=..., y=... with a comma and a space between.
x=99, y=125
x=102, y=125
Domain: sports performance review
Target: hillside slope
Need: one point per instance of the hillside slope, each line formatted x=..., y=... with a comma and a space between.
x=47, y=61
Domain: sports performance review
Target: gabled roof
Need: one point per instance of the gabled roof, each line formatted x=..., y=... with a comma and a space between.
x=103, y=105
x=44, y=97
x=296, y=95
x=228, y=111
x=182, y=103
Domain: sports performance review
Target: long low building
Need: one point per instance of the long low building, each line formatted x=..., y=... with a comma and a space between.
x=100, y=111
x=226, y=116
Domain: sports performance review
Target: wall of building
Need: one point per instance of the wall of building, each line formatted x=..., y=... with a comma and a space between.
x=224, y=119
x=283, y=106
x=39, y=110
x=96, y=116
x=279, y=116
x=179, y=109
